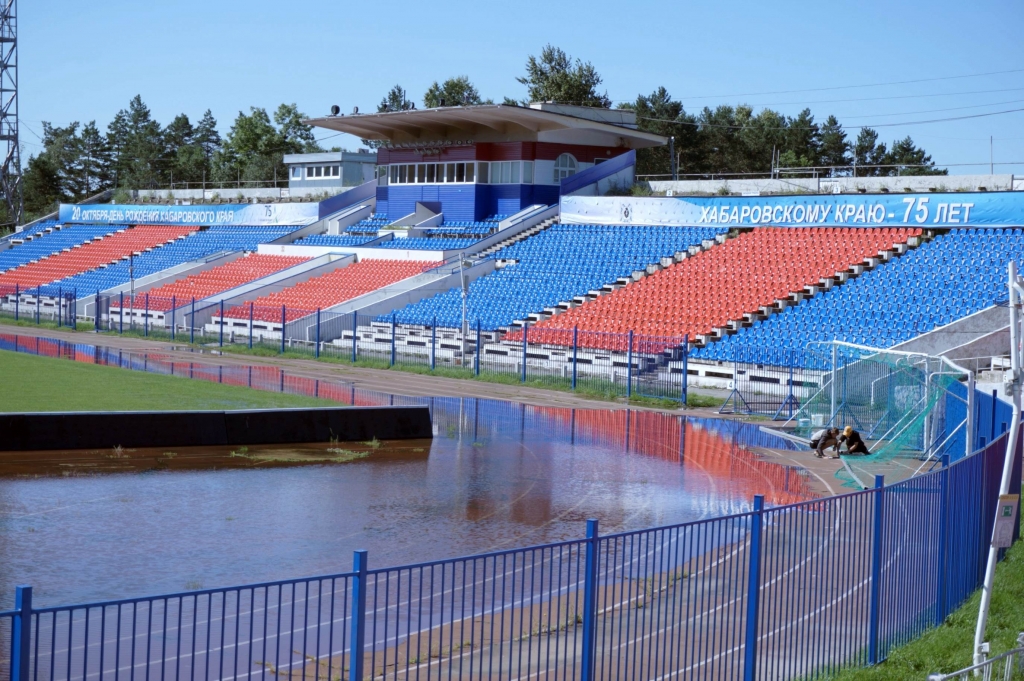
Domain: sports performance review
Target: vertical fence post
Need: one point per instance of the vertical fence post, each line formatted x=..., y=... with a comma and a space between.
x=753, y=591
x=120, y=313
x=526, y=328
x=575, y=354
x=476, y=366
x=355, y=333
x=357, y=640
x=252, y=307
x=21, y=633
x=992, y=426
x=17, y=300
x=97, y=308
x=284, y=323
x=192, y=323
x=876, y=569
x=174, y=315
x=393, y=323
x=686, y=368
x=73, y=310
x=220, y=327
x=316, y=353
x=790, y=397
x=39, y=302
x=60, y=305
x=590, y=603
x=940, y=581
x=145, y=320
x=433, y=345
x=629, y=365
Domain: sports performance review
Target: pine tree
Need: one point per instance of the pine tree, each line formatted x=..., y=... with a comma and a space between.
x=834, y=148
x=556, y=77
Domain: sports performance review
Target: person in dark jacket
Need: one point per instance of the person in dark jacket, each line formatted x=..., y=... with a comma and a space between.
x=854, y=443
x=825, y=439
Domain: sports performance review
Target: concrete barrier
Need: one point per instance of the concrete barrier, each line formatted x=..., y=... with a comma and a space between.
x=106, y=430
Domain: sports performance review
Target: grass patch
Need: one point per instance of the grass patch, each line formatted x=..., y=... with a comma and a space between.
x=33, y=383
x=44, y=323
x=950, y=647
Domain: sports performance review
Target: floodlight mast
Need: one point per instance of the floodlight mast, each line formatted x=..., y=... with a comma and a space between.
x=10, y=157
x=1011, y=385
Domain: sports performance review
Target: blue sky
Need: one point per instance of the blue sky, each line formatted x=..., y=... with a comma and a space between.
x=84, y=61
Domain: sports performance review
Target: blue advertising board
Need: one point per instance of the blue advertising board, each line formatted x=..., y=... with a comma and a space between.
x=221, y=214
x=833, y=210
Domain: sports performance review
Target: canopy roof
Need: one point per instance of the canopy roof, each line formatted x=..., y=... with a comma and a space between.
x=490, y=123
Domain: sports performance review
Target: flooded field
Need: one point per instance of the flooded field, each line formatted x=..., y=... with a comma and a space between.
x=104, y=524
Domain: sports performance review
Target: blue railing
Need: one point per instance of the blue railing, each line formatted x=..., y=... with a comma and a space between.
x=799, y=590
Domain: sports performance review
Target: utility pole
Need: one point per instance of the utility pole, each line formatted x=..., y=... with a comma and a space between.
x=1012, y=385
x=10, y=158
x=465, y=293
x=672, y=157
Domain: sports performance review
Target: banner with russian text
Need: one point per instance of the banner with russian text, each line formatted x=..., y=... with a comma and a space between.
x=221, y=214
x=875, y=210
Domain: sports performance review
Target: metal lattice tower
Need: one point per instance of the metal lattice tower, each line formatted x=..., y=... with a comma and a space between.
x=10, y=165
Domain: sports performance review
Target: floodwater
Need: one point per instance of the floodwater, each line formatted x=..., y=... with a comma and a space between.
x=497, y=475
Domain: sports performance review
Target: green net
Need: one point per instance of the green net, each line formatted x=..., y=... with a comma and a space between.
x=899, y=402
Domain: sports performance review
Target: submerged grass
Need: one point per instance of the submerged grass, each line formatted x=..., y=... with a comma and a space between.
x=34, y=383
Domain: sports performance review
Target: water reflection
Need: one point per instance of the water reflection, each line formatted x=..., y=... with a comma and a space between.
x=497, y=475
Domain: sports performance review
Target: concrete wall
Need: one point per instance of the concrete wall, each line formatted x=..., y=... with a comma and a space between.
x=972, y=327
x=233, y=192
x=839, y=185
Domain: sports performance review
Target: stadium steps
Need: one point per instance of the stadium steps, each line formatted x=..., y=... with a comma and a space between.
x=809, y=291
x=525, y=234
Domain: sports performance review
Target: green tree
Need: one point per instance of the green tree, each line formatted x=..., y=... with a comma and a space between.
x=867, y=151
x=833, y=148
x=41, y=187
x=803, y=140
x=296, y=136
x=137, y=145
x=556, y=77
x=910, y=160
x=206, y=135
x=93, y=161
x=253, y=150
x=457, y=91
x=658, y=113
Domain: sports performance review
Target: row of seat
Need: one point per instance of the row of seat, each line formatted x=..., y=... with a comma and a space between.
x=329, y=289
x=334, y=240
x=246, y=269
x=946, y=279
x=428, y=243
x=555, y=265
x=93, y=254
x=46, y=243
x=202, y=244
x=706, y=291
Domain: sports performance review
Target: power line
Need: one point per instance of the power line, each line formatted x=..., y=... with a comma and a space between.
x=878, y=99
x=955, y=108
x=850, y=87
x=699, y=124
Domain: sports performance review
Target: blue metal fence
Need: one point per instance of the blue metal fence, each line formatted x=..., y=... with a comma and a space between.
x=794, y=591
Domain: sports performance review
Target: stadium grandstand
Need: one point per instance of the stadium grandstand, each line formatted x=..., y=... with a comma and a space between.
x=754, y=270
x=948, y=278
x=557, y=265
x=328, y=290
x=236, y=273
